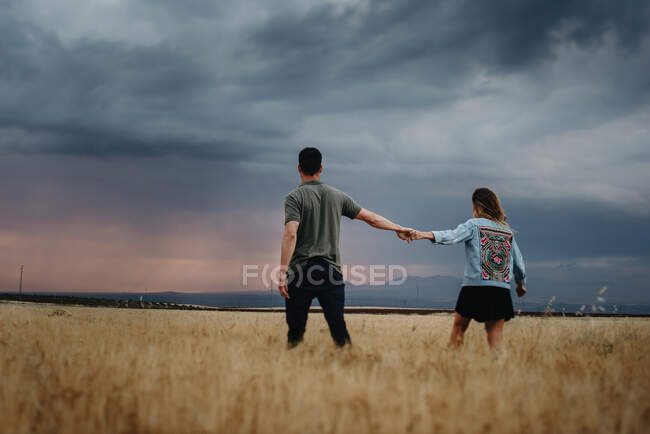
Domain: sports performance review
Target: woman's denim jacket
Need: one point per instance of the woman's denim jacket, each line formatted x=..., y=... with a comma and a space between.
x=492, y=257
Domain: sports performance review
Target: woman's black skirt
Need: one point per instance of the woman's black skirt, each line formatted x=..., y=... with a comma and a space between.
x=485, y=303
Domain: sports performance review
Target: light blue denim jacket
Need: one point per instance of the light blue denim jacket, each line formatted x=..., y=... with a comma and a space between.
x=492, y=257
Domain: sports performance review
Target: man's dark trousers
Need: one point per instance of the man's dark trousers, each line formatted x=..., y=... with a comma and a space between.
x=319, y=280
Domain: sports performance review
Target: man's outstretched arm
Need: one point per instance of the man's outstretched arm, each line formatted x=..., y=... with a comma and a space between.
x=380, y=222
x=288, y=246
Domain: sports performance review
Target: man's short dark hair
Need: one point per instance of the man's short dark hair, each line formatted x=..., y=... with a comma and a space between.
x=310, y=160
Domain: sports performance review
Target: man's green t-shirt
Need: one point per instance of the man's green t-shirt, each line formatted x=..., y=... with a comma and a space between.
x=318, y=208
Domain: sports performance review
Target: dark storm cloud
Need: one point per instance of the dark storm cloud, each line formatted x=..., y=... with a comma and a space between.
x=96, y=96
x=204, y=9
x=438, y=43
x=93, y=71
x=523, y=31
x=103, y=98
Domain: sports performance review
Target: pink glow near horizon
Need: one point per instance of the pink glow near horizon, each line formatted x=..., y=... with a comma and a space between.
x=193, y=254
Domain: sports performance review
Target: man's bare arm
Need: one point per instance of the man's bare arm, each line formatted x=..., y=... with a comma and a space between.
x=380, y=222
x=288, y=246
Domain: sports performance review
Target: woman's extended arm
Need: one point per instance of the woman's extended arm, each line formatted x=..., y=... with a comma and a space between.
x=462, y=233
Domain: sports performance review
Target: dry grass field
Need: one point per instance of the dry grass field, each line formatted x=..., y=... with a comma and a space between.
x=86, y=370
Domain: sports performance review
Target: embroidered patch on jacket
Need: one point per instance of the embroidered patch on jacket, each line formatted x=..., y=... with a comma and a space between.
x=495, y=253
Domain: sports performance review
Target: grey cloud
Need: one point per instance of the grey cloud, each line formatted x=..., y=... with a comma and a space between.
x=104, y=98
x=523, y=31
x=234, y=94
x=204, y=9
x=436, y=42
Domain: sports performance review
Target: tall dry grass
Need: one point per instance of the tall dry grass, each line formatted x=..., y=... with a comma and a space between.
x=108, y=370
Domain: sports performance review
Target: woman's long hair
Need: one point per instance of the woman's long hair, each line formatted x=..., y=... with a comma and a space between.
x=487, y=205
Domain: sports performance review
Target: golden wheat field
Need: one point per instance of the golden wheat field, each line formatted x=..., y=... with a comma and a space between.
x=86, y=370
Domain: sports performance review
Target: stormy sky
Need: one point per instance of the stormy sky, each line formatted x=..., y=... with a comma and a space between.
x=149, y=144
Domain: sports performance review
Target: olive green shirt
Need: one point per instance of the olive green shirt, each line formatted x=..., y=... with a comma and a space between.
x=318, y=208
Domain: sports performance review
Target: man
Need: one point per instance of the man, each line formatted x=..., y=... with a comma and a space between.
x=310, y=259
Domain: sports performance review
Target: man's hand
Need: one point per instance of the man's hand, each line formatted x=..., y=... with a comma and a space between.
x=282, y=283
x=521, y=290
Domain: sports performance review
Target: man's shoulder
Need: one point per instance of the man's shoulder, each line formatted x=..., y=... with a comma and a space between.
x=299, y=192
x=331, y=189
x=322, y=186
x=294, y=192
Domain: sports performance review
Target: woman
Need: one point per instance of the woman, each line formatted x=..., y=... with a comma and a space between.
x=493, y=259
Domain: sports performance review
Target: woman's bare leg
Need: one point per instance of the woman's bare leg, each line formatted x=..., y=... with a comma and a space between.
x=458, y=330
x=494, y=331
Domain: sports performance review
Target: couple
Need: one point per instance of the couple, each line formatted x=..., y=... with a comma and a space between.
x=310, y=258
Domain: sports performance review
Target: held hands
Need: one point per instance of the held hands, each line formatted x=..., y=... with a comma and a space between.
x=409, y=234
x=417, y=235
x=404, y=234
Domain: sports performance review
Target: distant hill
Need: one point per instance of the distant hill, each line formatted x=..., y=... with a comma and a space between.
x=435, y=292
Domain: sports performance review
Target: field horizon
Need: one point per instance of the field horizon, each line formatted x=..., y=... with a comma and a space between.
x=356, y=297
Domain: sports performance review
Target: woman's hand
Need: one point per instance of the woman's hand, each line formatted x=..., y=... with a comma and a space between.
x=521, y=290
